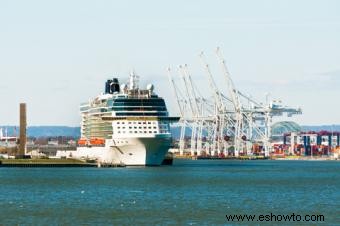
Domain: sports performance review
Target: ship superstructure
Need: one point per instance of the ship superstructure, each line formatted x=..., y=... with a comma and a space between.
x=125, y=125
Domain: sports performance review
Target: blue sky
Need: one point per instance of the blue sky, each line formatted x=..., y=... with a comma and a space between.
x=56, y=54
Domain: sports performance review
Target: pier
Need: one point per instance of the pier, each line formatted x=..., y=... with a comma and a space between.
x=52, y=163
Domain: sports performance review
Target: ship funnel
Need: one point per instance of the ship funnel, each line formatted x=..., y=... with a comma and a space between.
x=107, y=86
x=114, y=86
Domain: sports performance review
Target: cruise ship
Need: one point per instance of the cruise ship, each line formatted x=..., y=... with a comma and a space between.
x=125, y=125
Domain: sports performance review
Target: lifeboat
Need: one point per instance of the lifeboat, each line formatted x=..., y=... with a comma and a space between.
x=82, y=142
x=97, y=141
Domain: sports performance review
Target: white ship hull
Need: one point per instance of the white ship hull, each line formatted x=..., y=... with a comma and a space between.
x=132, y=151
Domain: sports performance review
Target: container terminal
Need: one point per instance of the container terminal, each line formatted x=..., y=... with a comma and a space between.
x=229, y=123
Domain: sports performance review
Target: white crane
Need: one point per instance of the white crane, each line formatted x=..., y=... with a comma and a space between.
x=181, y=110
x=236, y=102
x=237, y=115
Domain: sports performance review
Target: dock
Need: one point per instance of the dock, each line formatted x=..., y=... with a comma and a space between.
x=51, y=163
x=245, y=157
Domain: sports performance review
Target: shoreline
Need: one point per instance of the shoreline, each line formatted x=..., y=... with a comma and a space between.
x=249, y=158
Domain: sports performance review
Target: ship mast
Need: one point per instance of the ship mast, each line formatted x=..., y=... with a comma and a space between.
x=134, y=80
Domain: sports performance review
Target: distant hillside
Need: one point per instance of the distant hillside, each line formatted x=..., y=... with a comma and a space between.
x=323, y=127
x=39, y=131
x=45, y=131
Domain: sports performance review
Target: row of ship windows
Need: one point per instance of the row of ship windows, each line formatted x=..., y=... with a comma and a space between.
x=144, y=127
x=161, y=131
x=135, y=123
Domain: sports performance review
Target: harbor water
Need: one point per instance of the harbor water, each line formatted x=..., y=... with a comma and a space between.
x=190, y=192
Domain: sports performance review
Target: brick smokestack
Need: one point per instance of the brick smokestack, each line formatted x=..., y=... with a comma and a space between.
x=23, y=125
